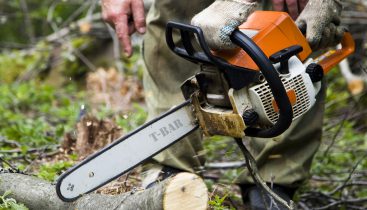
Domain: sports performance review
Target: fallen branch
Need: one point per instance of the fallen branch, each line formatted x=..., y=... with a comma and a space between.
x=183, y=191
x=225, y=165
x=32, y=150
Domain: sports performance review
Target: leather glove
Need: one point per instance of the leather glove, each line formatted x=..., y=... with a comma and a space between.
x=220, y=19
x=321, y=21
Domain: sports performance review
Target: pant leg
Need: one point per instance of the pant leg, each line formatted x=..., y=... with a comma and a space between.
x=286, y=160
x=164, y=74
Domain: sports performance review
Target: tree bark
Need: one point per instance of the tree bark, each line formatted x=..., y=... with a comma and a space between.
x=183, y=191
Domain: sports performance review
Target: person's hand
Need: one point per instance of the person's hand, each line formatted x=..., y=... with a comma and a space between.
x=321, y=22
x=127, y=16
x=220, y=19
x=294, y=7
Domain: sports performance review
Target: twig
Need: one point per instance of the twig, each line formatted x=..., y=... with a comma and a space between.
x=225, y=165
x=7, y=163
x=27, y=21
x=31, y=150
x=32, y=70
x=54, y=26
x=62, y=32
x=337, y=203
x=42, y=155
x=82, y=57
x=343, y=185
x=76, y=13
x=328, y=179
x=251, y=165
x=350, y=207
x=303, y=205
x=125, y=182
x=91, y=9
x=10, y=142
x=337, y=133
x=14, y=45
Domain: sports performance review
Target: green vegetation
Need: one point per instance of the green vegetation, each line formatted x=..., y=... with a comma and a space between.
x=42, y=90
x=217, y=203
x=10, y=203
x=35, y=114
x=50, y=172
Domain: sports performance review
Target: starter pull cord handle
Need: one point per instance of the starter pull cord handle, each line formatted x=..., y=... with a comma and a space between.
x=275, y=84
x=333, y=57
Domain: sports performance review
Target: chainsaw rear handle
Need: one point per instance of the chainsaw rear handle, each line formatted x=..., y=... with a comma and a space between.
x=206, y=57
x=331, y=58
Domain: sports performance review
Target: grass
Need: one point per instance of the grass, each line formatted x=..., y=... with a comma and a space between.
x=7, y=203
x=35, y=114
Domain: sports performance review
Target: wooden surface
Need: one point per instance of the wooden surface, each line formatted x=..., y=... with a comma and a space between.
x=185, y=191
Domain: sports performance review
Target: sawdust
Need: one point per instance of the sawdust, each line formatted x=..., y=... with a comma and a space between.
x=126, y=183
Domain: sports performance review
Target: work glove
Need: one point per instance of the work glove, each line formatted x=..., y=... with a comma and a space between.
x=220, y=19
x=321, y=21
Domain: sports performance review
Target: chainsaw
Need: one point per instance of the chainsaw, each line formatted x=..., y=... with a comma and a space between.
x=255, y=90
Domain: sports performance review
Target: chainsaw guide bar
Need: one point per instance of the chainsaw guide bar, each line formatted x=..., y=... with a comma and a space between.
x=127, y=152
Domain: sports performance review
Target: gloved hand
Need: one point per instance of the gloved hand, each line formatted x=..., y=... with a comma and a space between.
x=221, y=18
x=321, y=21
x=127, y=16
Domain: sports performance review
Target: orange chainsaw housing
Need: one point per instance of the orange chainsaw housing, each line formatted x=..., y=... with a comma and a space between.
x=275, y=32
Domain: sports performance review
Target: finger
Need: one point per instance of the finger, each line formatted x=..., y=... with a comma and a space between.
x=339, y=34
x=332, y=41
x=122, y=31
x=132, y=28
x=314, y=34
x=292, y=6
x=137, y=7
x=278, y=5
x=336, y=21
x=111, y=10
x=301, y=24
x=302, y=4
x=325, y=38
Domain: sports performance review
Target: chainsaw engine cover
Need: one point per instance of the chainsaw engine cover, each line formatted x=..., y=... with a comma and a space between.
x=300, y=90
x=272, y=32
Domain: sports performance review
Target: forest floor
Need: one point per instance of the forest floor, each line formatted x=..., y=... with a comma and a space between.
x=60, y=100
x=45, y=130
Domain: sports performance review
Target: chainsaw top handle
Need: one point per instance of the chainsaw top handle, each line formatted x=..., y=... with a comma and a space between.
x=205, y=56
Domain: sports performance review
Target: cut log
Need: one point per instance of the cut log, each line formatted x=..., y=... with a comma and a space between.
x=183, y=191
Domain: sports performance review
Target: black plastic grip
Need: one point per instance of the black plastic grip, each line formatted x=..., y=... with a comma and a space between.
x=188, y=51
x=275, y=84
